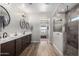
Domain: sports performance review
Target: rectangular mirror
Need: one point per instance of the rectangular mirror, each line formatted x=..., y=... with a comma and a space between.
x=57, y=25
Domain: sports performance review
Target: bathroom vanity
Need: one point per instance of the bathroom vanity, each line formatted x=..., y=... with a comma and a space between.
x=14, y=46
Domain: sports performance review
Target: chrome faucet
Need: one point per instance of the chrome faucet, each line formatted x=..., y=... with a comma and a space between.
x=5, y=35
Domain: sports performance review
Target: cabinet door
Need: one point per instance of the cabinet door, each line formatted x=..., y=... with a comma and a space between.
x=29, y=39
x=18, y=46
x=8, y=49
x=24, y=42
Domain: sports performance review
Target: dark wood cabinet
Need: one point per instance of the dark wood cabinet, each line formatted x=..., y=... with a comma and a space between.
x=24, y=43
x=18, y=46
x=15, y=47
x=0, y=49
x=26, y=40
x=29, y=39
x=8, y=49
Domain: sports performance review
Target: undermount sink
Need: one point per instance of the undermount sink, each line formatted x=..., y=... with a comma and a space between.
x=14, y=35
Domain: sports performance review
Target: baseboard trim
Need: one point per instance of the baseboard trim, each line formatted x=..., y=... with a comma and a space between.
x=35, y=41
x=57, y=51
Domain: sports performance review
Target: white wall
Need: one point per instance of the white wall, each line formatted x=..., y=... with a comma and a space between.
x=34, y=20
x=15, y=14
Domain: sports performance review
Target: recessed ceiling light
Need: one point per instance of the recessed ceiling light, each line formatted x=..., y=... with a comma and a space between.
x=30, y=3
x=47, y=3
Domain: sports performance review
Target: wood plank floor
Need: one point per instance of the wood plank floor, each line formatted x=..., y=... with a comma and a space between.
x=39, y=49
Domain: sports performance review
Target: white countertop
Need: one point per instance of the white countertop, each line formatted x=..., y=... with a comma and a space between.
x=4, y=40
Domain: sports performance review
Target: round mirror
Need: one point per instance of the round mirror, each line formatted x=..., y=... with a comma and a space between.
x=22, y=23
x=27, y=25
x=4, y=16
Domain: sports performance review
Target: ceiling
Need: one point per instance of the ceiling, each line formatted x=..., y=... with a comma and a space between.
x=44, y=7
x=47, y=7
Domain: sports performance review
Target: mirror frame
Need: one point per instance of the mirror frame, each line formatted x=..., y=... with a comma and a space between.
x=6, y=24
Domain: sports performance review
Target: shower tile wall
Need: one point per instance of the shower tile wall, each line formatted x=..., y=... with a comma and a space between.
x=72, y=39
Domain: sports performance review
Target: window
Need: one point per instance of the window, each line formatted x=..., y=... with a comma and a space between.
x=75, y=18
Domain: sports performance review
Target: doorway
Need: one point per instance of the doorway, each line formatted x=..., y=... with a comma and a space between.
x=44, y=29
